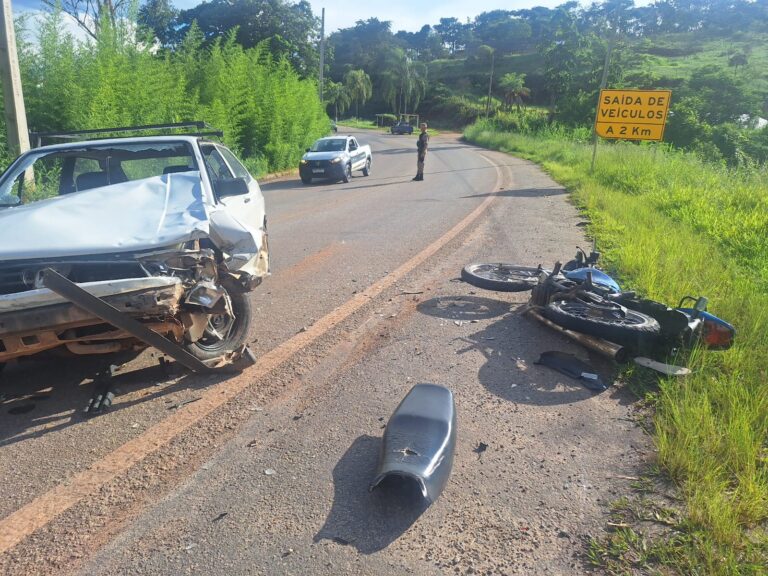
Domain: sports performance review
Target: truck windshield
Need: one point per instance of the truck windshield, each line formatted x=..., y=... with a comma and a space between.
x=44, y=174
x=332, y=145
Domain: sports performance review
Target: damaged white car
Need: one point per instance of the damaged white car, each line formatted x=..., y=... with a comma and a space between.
x=169, y=230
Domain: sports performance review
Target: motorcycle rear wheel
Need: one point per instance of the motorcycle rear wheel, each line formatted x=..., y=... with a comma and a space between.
x=501, y=277
x=607, y=320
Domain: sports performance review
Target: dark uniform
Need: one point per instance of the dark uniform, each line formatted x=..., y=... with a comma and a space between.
x=422, y=144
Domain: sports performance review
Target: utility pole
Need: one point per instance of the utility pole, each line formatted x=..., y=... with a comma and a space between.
x=10, y=76
x=603, y=83
x=490, y=85
x=322, y=53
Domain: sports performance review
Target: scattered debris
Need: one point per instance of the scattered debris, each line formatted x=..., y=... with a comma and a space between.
x=405, y=292
x=220, y=517
x=184, y=403
x=571, y=366
x=270, y=472
x=298, y=417
x=668, y=369
x=459, y=322
x=252, y=443
x=479, y=449
x=255, y=408
x=287, y=552
x=189, y=547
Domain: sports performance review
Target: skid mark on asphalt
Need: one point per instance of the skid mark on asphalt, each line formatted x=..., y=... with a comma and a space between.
x=26, y=520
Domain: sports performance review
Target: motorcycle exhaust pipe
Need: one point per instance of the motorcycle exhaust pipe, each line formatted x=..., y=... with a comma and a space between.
x=613, y=351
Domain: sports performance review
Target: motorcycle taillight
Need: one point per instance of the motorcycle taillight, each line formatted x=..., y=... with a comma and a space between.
x=717, y=335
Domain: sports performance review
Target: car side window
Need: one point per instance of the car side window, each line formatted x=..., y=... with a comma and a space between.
x=239, y=170
x=217, y=167
x=352, y=145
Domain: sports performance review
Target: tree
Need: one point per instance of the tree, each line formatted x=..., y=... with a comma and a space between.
x=336, y=95
x=501, y=31
x=404, y=81
x=514, y=89
x=358, y=85
x=452, y=32
x=90, y=15
x=156, y=16
x=291, y=30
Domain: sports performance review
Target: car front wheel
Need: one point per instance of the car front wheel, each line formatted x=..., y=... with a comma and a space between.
x=367, y=169
x=225, y=332
x=347, y=173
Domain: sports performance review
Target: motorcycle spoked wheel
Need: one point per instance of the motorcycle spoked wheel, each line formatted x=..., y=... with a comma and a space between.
x=224, y=332
x=501, y=277
x=606, y=320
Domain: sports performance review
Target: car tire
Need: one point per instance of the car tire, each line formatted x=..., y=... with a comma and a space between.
x=347, y=173
x=367, y=169
x=501, y=277
x=607, y=320
x=210, y=346
x=306, y=179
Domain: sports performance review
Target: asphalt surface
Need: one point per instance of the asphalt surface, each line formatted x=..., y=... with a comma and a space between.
x=275, y=481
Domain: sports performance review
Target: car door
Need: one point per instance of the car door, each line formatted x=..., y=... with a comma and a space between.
x=356, y=154
x=247, y=208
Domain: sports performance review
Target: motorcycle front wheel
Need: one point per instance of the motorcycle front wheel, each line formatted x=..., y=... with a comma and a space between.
x=607, y=320
x=501, y=277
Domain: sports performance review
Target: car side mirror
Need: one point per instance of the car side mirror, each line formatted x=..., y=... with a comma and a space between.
x=231, y=187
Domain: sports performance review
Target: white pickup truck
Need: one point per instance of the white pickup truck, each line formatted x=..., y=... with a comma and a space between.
x=334, y=158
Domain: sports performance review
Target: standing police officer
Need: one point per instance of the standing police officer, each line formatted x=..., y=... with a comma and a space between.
x=422, y=144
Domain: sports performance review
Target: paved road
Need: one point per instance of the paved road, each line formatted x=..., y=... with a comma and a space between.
x=364, y=302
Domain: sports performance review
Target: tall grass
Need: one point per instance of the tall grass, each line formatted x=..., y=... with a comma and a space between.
x=672, y=225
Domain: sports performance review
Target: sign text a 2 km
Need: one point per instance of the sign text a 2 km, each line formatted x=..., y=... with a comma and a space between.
x=632, y=114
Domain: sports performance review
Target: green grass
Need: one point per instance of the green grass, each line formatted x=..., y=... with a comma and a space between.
x=671, y=225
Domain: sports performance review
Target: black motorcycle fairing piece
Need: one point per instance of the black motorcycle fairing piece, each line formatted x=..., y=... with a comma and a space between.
x=571, y=366
x=420, y=440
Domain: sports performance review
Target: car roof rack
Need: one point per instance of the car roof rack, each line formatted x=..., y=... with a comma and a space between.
x=203, y=129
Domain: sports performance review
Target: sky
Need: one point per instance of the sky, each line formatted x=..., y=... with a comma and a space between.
x=408, y=15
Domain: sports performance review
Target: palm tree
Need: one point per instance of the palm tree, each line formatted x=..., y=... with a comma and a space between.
x=514, y=89
x=403, y=82
x=336, y=94
x=359, y=88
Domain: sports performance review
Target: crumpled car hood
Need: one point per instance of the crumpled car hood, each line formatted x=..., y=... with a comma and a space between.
x=131, y=216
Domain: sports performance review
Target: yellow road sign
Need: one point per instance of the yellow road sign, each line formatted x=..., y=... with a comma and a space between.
x=632, y=114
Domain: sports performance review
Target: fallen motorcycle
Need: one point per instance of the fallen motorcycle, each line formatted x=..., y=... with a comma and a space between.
x=578, y=297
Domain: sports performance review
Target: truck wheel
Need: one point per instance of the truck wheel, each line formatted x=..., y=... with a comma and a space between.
x=306, y=179
x=367, y=169
x=224, y=333
x=347, y=173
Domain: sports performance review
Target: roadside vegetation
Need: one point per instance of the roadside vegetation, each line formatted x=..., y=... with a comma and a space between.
x=671, y=225
x=267, y=112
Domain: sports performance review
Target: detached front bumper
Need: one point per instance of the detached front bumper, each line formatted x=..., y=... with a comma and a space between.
x=38, y=320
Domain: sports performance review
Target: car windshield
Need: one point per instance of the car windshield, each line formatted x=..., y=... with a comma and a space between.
x=40, y=174
x=332, y=145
